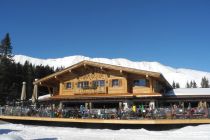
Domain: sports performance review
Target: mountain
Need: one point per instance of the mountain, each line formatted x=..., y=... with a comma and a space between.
x=180, y=75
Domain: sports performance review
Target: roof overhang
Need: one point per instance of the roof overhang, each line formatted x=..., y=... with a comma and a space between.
x=191, y=92
x=106, y=66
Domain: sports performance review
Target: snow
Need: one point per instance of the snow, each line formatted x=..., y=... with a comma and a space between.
x=171, y=74
x=190, y=91
x=10, y=137
x=28, y=132
x=44, y=97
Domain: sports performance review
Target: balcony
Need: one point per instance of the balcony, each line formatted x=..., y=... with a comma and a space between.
x=90, y=90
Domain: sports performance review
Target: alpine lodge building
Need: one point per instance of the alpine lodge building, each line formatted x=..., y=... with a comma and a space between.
x=92, y=92
x=97, y=85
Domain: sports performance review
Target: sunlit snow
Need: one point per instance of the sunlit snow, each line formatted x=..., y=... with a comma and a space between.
x=171, y=74
x=28, y=132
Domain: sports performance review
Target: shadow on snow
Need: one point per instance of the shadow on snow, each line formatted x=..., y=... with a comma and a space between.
x=6, y=131
x=46, y=139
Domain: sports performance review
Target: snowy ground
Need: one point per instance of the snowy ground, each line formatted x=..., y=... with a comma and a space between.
x=26, y=132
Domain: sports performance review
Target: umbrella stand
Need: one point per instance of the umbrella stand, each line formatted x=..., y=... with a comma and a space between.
x=35, y=94
x=23, y=94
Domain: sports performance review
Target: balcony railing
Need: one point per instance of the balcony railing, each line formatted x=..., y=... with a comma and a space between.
x=90, y=90
x=108, y=113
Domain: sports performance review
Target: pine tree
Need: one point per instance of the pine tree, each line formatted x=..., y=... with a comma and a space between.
x=177, y=85
x=1, y=51
x=191, y=84
x=7, y=84
x=187, y=85
x=194, y=84
x=6, y=48
x=12, y=75
x=204, y=82
x=174, y=85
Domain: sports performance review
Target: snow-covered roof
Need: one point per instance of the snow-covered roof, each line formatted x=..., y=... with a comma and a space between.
x=44, y=97
x=189, y=91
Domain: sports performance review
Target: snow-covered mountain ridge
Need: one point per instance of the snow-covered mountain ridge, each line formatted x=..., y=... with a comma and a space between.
x=180, y=75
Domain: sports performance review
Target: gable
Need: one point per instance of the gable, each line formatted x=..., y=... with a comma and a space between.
x=84, y=66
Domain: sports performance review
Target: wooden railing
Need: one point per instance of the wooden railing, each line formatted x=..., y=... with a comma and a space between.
x=90, y=90
x=107, y=113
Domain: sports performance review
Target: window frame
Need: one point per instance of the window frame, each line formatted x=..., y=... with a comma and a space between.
x=140, y=82
x=114, y=83
x=67, y=85
x=99, y=83
x=83, y=84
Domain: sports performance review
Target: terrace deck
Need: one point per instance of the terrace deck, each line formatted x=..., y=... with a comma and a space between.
x=110, y=121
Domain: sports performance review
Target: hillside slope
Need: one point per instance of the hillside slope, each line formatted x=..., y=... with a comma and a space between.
x=180, y=75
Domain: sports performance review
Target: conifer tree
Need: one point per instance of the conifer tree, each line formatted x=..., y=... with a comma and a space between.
x=191, y=84
x=177, y=85
x=7, y=84
x=12, y=75
x=204, y=82
x=187, y=85
x=174, y=85
x=5, y=47
x=1, y=51
x=194, y=84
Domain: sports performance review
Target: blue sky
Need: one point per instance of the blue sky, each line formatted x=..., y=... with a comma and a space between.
x=172, y=32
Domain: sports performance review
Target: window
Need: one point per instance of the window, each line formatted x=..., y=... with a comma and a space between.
x=99, y=83
x=68, y=85
x=83, y=84
x=158, y=86
x=141, y=82
x=115, y=83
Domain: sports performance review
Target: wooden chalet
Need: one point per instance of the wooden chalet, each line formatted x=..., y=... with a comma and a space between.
x=92, y=92
x=97, y=84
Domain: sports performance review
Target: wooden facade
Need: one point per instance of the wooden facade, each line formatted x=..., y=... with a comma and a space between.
x=91, y=79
